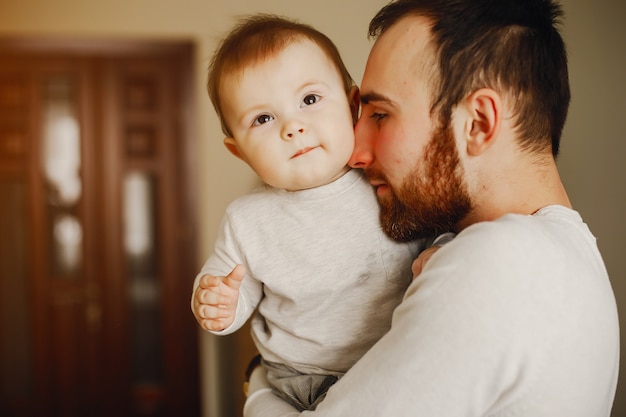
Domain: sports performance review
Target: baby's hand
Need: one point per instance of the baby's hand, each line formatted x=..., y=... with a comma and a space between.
x=418, y=265
x=424, y=256
x=215, y=299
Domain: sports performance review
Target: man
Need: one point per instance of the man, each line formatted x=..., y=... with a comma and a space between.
x=463, y=107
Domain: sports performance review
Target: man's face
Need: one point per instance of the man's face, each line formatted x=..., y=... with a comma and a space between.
x=410, y=158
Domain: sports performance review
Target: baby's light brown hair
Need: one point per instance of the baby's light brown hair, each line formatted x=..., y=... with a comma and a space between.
x=257, y=38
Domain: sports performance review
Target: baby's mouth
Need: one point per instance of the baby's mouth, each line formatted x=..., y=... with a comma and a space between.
x=303, y=151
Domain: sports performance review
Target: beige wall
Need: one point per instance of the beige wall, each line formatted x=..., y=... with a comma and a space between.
x=593, y=146
x=594, y=143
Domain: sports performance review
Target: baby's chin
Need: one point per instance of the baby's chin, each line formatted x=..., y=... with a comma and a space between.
x=309, y=178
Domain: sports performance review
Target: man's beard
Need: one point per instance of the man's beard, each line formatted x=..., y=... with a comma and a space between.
x=433, y=198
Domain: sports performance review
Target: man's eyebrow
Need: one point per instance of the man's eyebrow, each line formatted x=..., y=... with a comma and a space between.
x=366, y=98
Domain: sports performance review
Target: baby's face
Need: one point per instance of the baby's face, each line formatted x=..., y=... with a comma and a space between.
x=290, y=118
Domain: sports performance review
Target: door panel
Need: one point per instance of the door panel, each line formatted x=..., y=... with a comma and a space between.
x=96, y=239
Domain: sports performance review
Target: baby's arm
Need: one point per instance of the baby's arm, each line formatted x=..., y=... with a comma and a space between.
x=214, y=301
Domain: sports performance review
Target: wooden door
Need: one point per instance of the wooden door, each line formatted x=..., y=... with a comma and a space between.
x=96, y=230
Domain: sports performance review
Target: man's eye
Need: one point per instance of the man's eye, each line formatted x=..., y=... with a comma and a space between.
x=262, y=119
x=310, y=99
x=378, y=116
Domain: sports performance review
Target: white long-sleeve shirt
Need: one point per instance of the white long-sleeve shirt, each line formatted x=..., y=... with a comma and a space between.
x=323, y=275
x=514, y=317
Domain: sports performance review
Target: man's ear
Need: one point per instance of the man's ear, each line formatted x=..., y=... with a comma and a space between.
x=231, y=145
x=483, y=124
x=354, y=99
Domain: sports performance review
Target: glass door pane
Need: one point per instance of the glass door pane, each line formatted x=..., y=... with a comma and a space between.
x=61, y=158
x=144, y=288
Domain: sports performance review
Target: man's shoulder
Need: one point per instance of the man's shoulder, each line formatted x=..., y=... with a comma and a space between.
x=525, y=230
x=512, y=243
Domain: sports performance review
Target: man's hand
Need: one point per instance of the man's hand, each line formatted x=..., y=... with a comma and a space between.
x=215, y=299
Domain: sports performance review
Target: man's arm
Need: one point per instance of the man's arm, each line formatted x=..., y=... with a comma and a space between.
x=411, y=365
x=458, y=344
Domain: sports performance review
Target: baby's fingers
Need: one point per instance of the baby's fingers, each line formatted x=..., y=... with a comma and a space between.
x=214, y=325
x=212, y=298
x=210, y=312
x=214, y=318
x=209, y=281
x=233, y=280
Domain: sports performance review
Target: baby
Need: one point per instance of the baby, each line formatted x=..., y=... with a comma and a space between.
x=305, y=251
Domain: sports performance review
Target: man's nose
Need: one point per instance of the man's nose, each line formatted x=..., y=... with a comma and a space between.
x=291, y=129
x=362, y=156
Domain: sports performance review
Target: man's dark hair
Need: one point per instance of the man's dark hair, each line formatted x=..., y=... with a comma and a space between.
x=511, y=46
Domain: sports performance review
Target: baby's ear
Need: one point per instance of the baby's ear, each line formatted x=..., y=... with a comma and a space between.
x=354, y=98
x=231, y=145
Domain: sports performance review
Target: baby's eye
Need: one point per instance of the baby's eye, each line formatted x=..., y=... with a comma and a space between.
x=310, y=99
x=262, y=119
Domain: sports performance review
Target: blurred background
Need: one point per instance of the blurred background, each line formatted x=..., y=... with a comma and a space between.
x=113, y=181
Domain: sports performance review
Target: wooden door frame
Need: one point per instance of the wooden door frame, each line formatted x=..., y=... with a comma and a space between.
x=184, y=52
